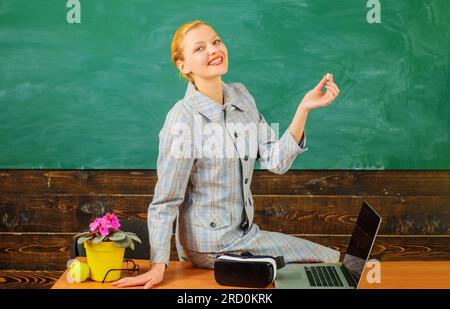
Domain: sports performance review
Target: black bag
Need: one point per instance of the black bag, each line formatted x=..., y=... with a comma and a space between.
x=246, y=270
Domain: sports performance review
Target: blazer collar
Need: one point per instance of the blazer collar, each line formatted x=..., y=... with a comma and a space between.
x=210, y=108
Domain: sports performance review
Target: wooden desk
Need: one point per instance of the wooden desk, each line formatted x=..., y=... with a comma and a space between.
x=394, y=275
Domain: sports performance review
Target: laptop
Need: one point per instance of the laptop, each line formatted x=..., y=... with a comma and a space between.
x=336, y=276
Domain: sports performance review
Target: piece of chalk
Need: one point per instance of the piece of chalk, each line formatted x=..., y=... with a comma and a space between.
x=328, y=77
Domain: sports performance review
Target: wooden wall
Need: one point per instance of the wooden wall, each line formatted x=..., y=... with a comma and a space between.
x=41, y=210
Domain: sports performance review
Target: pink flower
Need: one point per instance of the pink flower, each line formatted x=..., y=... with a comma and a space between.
x=115, y=224
x=111, y=221
x=104, y=231
x=106, y=224
x=94, y=225
x=108, y=216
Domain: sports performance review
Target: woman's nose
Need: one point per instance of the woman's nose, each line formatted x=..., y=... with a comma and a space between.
x=212, y=49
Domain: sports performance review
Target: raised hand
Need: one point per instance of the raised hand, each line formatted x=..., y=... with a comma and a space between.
x=315, y=98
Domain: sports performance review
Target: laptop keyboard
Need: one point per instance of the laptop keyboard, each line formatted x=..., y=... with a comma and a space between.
x=323, y=276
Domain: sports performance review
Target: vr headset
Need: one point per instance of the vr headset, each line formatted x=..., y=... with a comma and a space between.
x=247, y=270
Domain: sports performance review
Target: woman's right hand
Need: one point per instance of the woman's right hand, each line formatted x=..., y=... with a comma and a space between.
x=154, y=276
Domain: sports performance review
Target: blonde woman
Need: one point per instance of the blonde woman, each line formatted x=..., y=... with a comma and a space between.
x=209, y=195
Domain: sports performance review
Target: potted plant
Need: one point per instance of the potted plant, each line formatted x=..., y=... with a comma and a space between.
x=105, y=246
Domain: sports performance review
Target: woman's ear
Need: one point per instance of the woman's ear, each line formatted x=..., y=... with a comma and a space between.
x=182, y=67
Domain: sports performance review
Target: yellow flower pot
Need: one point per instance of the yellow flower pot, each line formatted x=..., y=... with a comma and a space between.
x=102, y=257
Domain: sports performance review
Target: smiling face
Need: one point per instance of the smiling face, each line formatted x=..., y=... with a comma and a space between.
x=205, y=55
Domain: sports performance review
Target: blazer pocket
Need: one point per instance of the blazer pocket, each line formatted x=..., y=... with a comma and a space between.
x=213, y=220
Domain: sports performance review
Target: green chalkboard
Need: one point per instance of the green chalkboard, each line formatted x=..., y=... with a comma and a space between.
x=95, y=94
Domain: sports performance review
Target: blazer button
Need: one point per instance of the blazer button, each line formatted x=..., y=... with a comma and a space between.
x=212, y=224
x=246, y=158
x=246, y=180
x=235, y=134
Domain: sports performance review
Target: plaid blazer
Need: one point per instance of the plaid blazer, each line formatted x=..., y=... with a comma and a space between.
x=210, y=195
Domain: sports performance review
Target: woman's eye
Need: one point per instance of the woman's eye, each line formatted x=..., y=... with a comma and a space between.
x=215, y=42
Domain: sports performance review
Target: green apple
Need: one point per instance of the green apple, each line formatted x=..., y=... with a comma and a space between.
x=78, y=272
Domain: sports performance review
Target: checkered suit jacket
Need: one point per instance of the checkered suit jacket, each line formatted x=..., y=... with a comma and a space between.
x=210, y=195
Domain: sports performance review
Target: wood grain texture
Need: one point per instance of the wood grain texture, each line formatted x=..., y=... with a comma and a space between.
x=294, y=182
x=28, y=279
x=409, y=215
x=394, y=275
x=44, y=251
x=65, y=213
x=77, y=181
x=40, y=210
x=411, y=275
x=178, y=275
x=51, y=251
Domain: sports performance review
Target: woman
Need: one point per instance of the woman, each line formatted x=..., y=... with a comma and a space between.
x=210, y=194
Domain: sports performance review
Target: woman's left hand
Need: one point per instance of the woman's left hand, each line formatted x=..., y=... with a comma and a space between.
x=316, y=98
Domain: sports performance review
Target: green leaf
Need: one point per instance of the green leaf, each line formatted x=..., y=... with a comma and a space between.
x=117, y=236
x=83, y=239
x=134, y=237
x=131, y=244
x=123, y=243
x=84, y=234
x=96, y=240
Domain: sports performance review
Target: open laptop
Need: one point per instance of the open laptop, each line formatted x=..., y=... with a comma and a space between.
x=341, y=276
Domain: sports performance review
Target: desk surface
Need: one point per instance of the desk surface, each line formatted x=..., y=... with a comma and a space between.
x=394, y=275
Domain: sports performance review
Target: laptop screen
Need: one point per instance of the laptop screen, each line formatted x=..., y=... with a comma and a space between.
x=361, y=242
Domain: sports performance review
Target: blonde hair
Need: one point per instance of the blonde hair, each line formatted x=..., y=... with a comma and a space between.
x=177, y=43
